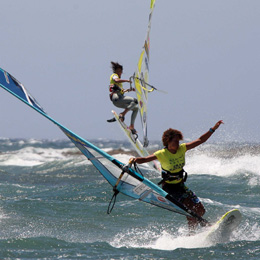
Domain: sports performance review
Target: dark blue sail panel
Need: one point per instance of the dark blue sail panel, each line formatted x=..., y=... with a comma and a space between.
x=12, y=85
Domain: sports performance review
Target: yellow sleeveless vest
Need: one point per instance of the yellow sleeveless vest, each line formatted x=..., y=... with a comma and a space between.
x=172, y=162
x=112, y=82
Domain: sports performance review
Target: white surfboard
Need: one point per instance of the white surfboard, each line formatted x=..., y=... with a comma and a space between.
x=223, y=228
x=133, y=138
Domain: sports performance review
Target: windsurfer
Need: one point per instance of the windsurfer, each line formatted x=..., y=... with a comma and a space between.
x=117, y=95
x=172, y=159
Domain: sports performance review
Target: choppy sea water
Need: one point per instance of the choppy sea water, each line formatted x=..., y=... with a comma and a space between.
x=53, y=204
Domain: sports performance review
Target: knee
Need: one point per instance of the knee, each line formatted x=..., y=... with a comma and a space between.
x=135, y=105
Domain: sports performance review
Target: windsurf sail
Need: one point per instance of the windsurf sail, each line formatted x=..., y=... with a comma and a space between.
x=142, y=88
x=141, y=78
x=126, y=181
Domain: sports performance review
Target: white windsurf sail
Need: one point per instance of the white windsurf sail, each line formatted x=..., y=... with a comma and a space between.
x=124, y=180
x=141, y=78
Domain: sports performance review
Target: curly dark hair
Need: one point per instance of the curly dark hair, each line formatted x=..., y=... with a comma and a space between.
x=115, y=66
x=169, y=134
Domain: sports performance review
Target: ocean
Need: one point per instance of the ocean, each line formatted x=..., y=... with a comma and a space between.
x=54, y=204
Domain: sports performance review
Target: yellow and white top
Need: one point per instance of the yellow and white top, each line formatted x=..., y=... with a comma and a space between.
x=170, y=162
x=113, y=82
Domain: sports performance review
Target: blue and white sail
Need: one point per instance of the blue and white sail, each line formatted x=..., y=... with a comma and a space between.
x=131, y=184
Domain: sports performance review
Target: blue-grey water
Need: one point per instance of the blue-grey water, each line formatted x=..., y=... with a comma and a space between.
x=53, y=205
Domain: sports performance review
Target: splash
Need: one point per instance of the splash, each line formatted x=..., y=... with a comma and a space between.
x=32, y=156
x=161, y=240
x=224, y=167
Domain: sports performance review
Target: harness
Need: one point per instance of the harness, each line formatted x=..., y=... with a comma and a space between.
x=113, y=88
x=169, y=176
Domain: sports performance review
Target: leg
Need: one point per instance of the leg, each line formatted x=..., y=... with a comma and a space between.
x=121, y=102
x=122, y=115
x=198, y=208
x=191, y=201
x=134, y=107
x=128, y=103
x=133, y=117
x=184, y=195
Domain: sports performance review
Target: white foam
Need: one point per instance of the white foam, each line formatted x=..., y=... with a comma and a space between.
x=247, y=232
x=168, y=242
x=124, y=158
x=149, y=238
x=152, y=237
x=31, y=156
x=204, y=164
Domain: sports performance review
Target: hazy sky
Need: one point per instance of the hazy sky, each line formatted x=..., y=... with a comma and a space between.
x=204, y=53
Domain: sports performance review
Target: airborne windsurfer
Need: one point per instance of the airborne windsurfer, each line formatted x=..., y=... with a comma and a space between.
x=118, y=98
x=172, y=159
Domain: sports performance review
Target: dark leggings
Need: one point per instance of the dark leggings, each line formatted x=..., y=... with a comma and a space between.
x=188, y=198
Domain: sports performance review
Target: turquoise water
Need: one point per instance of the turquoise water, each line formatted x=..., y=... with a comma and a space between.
x=53, y=205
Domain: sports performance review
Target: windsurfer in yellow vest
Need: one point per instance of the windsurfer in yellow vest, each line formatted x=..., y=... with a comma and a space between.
x=172, y=159
x=117, y=95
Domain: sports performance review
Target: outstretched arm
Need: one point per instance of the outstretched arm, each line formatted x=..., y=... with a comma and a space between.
x=204, y=137
x=118, y=80
x=141, y=160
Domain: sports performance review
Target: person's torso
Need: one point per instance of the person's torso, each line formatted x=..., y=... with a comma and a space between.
x=172, y=162
x=113, y=82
